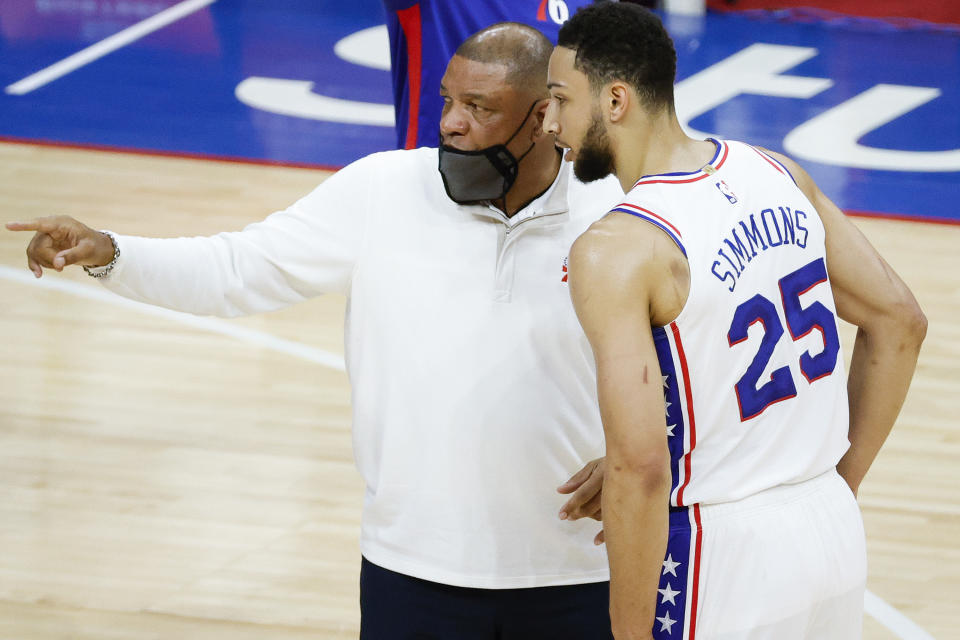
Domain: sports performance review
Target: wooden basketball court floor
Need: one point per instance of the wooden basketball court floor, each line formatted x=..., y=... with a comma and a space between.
x=160, y=479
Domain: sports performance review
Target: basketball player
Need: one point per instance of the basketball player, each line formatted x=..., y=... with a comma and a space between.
x=710, y=296
x=474, y=392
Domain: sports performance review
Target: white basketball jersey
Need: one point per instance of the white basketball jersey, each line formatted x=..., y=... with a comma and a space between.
x=753, y=374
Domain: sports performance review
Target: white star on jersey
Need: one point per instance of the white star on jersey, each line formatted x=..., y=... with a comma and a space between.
x=669, y=566
x=670, y=427
x=668, y=595
x=666, y=623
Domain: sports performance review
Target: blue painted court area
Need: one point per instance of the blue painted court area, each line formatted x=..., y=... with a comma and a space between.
x=872, y=111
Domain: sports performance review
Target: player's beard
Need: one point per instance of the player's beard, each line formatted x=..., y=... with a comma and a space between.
x=594, y=159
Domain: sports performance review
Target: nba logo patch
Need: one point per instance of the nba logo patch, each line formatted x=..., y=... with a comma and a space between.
x=564, y=278
x=726, y=191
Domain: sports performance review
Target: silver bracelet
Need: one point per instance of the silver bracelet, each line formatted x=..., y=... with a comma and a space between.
x=101, y=272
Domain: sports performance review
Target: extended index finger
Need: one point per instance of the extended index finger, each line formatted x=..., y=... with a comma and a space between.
x=31, y=225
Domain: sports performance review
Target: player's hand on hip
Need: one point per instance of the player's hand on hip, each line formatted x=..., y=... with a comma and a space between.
x=586, y=486
x=60, y=241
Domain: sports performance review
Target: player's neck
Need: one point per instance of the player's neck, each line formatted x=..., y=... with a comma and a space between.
x=537, y=172
x=657, y=144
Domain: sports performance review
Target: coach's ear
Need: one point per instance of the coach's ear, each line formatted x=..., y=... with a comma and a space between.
x=540, y=113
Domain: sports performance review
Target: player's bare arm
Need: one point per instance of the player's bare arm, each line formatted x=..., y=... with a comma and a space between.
x=612, y=267
x=60, y=241
x=890, y=328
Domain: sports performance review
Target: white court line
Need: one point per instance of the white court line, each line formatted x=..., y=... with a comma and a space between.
x=213, y=325
x=876, y=607
x=901, y=626
x=105, y=46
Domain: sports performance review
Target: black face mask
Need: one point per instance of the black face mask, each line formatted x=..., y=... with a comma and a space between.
x=485, y=174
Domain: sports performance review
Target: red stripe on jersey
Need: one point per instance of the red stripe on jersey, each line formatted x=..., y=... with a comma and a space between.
x=726, y=151
x=689, y=398
x=409, y=19
x=542, y=11
x=695, y=588
x=651, y=213
x=724, y=148
x=769, y=160
x=642, y=182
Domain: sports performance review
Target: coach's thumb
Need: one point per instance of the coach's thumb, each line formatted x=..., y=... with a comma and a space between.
x=69, y=256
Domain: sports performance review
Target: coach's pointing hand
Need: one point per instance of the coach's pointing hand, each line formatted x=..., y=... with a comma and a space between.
x=60, y=241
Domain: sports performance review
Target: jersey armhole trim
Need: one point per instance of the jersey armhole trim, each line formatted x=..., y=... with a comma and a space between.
x=653, y=218
x=779, y=166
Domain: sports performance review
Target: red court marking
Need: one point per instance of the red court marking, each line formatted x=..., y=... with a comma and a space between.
x=905, y=217
x=947, y=12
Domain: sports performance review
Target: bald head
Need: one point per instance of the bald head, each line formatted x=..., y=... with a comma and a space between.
x=523, y=50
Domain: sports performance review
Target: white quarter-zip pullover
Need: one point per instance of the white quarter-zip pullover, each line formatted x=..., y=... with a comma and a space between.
x=474, y=392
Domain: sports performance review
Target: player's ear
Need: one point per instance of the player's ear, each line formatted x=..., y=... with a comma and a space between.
x=617, y=99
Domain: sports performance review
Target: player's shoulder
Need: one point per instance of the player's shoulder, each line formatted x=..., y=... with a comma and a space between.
x=770, y=159
x=800, y=177
x=616, y=245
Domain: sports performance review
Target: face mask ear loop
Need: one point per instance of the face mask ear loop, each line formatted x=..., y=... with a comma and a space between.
x=522, y=122
x=532, y=144
x=529, y=149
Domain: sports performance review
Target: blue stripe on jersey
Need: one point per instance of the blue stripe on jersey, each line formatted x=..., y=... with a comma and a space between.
x=787, y=170
x=713, y=162
x=670, y=621
x=676, y=423
x=668, y=231
x=777, y=162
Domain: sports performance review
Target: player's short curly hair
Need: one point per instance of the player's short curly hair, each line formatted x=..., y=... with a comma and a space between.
x=622, y=41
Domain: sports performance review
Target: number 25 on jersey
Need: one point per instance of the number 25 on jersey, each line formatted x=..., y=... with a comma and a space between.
x=801, y=321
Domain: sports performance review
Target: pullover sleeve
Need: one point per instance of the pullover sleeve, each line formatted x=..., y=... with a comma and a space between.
x=312, y=247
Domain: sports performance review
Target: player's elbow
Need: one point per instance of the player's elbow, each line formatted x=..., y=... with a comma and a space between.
x=909, y=322
x=647, y=469
x=916, y=324
x=900, y=326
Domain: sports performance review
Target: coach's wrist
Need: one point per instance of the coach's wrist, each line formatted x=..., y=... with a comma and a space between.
x=105, y=254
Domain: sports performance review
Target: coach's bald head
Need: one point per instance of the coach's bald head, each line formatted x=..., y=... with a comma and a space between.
x=523, y=50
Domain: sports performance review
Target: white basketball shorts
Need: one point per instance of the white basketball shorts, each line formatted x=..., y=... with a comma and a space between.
x=788, y=563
